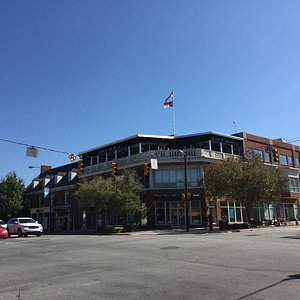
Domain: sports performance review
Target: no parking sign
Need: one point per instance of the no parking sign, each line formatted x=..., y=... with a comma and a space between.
x=72, y=157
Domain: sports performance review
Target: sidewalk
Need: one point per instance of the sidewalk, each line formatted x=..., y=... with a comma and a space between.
x=207, y=231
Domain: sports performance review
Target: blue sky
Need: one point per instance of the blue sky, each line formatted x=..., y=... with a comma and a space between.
x=77, y=74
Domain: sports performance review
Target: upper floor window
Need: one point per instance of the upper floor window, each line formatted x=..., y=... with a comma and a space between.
x=290, y=161
x=57, y=179
x=294, y=184
x=71, y=175
x=267, y=157
x=258, y=153
x=283, y=159
x=67, y=198
x=250, y=153
x=297, y=162
x=175, y=178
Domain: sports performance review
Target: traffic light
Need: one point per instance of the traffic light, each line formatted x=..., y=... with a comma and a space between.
x=184, y=197
x=80, y=167
x=275, y=155
x=114, y=169
x=146, y=168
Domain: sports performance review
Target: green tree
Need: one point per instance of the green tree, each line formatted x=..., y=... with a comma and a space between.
x=111, y=196
x=11, y=201
x=250, y=182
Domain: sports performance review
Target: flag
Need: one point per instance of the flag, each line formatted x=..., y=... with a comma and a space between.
x=169, y=100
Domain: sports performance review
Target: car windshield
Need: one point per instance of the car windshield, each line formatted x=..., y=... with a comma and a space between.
x=22, y=221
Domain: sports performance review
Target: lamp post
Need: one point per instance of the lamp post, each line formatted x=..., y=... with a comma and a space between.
x=186, y=192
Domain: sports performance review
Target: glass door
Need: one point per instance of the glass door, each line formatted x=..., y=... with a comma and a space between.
x=177, y=214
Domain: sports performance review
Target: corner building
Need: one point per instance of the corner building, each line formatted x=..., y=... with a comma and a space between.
x=163, y=188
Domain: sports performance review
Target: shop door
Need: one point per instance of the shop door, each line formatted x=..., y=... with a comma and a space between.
x=177, y=215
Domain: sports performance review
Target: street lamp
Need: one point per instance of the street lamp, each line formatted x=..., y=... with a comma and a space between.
x=186, y=192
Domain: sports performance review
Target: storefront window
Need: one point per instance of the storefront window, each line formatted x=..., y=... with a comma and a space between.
x=195, y=212
x=232, y=211
x=161, y=213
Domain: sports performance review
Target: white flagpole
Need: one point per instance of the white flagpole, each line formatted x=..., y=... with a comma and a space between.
x=173, y=108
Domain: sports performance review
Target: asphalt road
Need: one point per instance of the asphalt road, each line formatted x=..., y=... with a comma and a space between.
x=258, y=264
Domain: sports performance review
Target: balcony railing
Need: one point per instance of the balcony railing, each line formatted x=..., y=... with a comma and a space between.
x=160, y=155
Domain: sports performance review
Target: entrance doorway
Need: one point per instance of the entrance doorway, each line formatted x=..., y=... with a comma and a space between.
x=178, y=215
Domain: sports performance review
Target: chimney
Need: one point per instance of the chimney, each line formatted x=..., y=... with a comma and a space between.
x=45, y=169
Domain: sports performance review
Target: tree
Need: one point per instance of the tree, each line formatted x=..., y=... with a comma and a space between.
x=111, y=196
x=11, y=201
x=250, y=182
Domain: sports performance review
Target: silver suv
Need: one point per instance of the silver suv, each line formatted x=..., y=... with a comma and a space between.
x=24, y=226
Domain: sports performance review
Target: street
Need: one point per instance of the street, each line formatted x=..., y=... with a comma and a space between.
x=250, y=264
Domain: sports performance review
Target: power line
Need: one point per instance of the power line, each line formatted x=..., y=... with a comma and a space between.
x=33, y=146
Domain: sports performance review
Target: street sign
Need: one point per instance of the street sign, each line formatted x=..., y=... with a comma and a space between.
x=32, y=151
x=72, y=157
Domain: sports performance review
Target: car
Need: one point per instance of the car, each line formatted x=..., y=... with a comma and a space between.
x=24, y=227
x=3, y=233
x=2, y=224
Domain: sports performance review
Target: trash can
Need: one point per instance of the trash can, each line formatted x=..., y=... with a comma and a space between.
x=223, y=224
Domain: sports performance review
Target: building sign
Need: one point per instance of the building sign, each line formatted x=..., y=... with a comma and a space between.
x=154, y=164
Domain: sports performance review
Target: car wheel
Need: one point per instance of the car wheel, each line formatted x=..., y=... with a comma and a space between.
x=25, y=235
x=20, y=232
x=38, y=234
x=8, y=233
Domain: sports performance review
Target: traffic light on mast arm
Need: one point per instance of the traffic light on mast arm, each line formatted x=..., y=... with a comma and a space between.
x=146, y=168
x=114, y=169
x=80, y=167
x=275, y=155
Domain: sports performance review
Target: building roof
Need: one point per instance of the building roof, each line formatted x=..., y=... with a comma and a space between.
x=161, y=137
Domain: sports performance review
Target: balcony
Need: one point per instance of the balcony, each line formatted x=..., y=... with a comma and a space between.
x=163, y=156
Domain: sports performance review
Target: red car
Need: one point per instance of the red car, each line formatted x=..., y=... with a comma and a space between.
x=3, y=233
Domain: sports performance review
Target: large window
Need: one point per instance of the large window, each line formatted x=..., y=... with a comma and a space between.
x=259, y=153
x=264, y=213
x=233, y=212
x=162, y=213
x=175, y=178
x=297, y=162
x=173, y=213
x=290, y=161
x=283, y=159
x=267, y=157
x=294, y=184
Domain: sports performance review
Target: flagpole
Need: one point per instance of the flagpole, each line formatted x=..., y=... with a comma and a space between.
x=169, y=102
x=173, y=108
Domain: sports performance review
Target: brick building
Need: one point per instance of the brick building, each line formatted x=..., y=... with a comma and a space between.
x=289, y=163
x=59, y=185
x=163, y=188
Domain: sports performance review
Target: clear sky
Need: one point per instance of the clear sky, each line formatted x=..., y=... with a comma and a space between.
x=77, y=74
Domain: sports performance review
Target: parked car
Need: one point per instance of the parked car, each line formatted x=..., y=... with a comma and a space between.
x=3, y=233
x=2, y=224
x=24, y=227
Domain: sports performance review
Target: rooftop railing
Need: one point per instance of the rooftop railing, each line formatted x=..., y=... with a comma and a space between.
x=161, y=156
